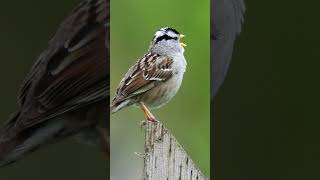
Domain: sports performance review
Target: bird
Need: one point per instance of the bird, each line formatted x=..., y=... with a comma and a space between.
x=227, y=17
x=66, y=93
x=156, y=77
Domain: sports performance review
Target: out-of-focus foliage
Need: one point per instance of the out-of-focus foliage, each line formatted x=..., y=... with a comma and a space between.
x=133, y=24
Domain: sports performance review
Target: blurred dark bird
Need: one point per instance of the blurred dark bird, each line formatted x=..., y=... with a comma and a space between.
x=227, y=17
x=66, y=93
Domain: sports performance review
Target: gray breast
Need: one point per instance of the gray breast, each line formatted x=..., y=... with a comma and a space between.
x=162, y=94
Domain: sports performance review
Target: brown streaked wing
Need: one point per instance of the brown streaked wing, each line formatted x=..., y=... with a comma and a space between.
x=144, y=75
x=73, y=71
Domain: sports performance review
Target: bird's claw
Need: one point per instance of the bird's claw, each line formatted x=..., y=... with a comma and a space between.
x=142, y=124
x=148, y=120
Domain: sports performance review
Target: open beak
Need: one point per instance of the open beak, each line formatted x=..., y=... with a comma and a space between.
x=181, y=43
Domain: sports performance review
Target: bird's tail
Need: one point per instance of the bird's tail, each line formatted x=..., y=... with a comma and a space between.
x=118, y=105
x=15, y=147
x=7, y=151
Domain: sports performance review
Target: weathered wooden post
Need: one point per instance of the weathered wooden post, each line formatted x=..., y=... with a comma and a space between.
x=164, y=158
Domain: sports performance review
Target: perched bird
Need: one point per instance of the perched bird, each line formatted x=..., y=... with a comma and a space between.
x=66, y=93
x=226, y=20
x=155, y=78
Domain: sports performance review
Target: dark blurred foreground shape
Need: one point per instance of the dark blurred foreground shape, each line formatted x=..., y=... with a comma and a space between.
x=66, y=93
x=266, y=115
x=227, y=17
x=226, y=20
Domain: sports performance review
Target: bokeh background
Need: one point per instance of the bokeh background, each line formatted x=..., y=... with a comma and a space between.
x=266, y=116
x=26, y=28
x=187, y=116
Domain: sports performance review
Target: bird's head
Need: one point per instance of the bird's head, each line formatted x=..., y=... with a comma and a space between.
x=167, y=41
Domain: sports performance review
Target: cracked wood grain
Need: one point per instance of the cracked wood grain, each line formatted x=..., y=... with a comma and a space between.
x=165, y=159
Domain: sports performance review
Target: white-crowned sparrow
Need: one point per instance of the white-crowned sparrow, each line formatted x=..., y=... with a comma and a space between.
x=66, y=92
x=154, y=79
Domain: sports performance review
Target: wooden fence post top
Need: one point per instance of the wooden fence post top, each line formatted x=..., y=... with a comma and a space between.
x=165, y=159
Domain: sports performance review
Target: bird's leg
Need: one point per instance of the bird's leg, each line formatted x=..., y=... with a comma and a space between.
x=147, y=113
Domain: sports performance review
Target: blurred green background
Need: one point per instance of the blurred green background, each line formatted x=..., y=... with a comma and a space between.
x=26, y=28
x=266, y=116
x=133, y=24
